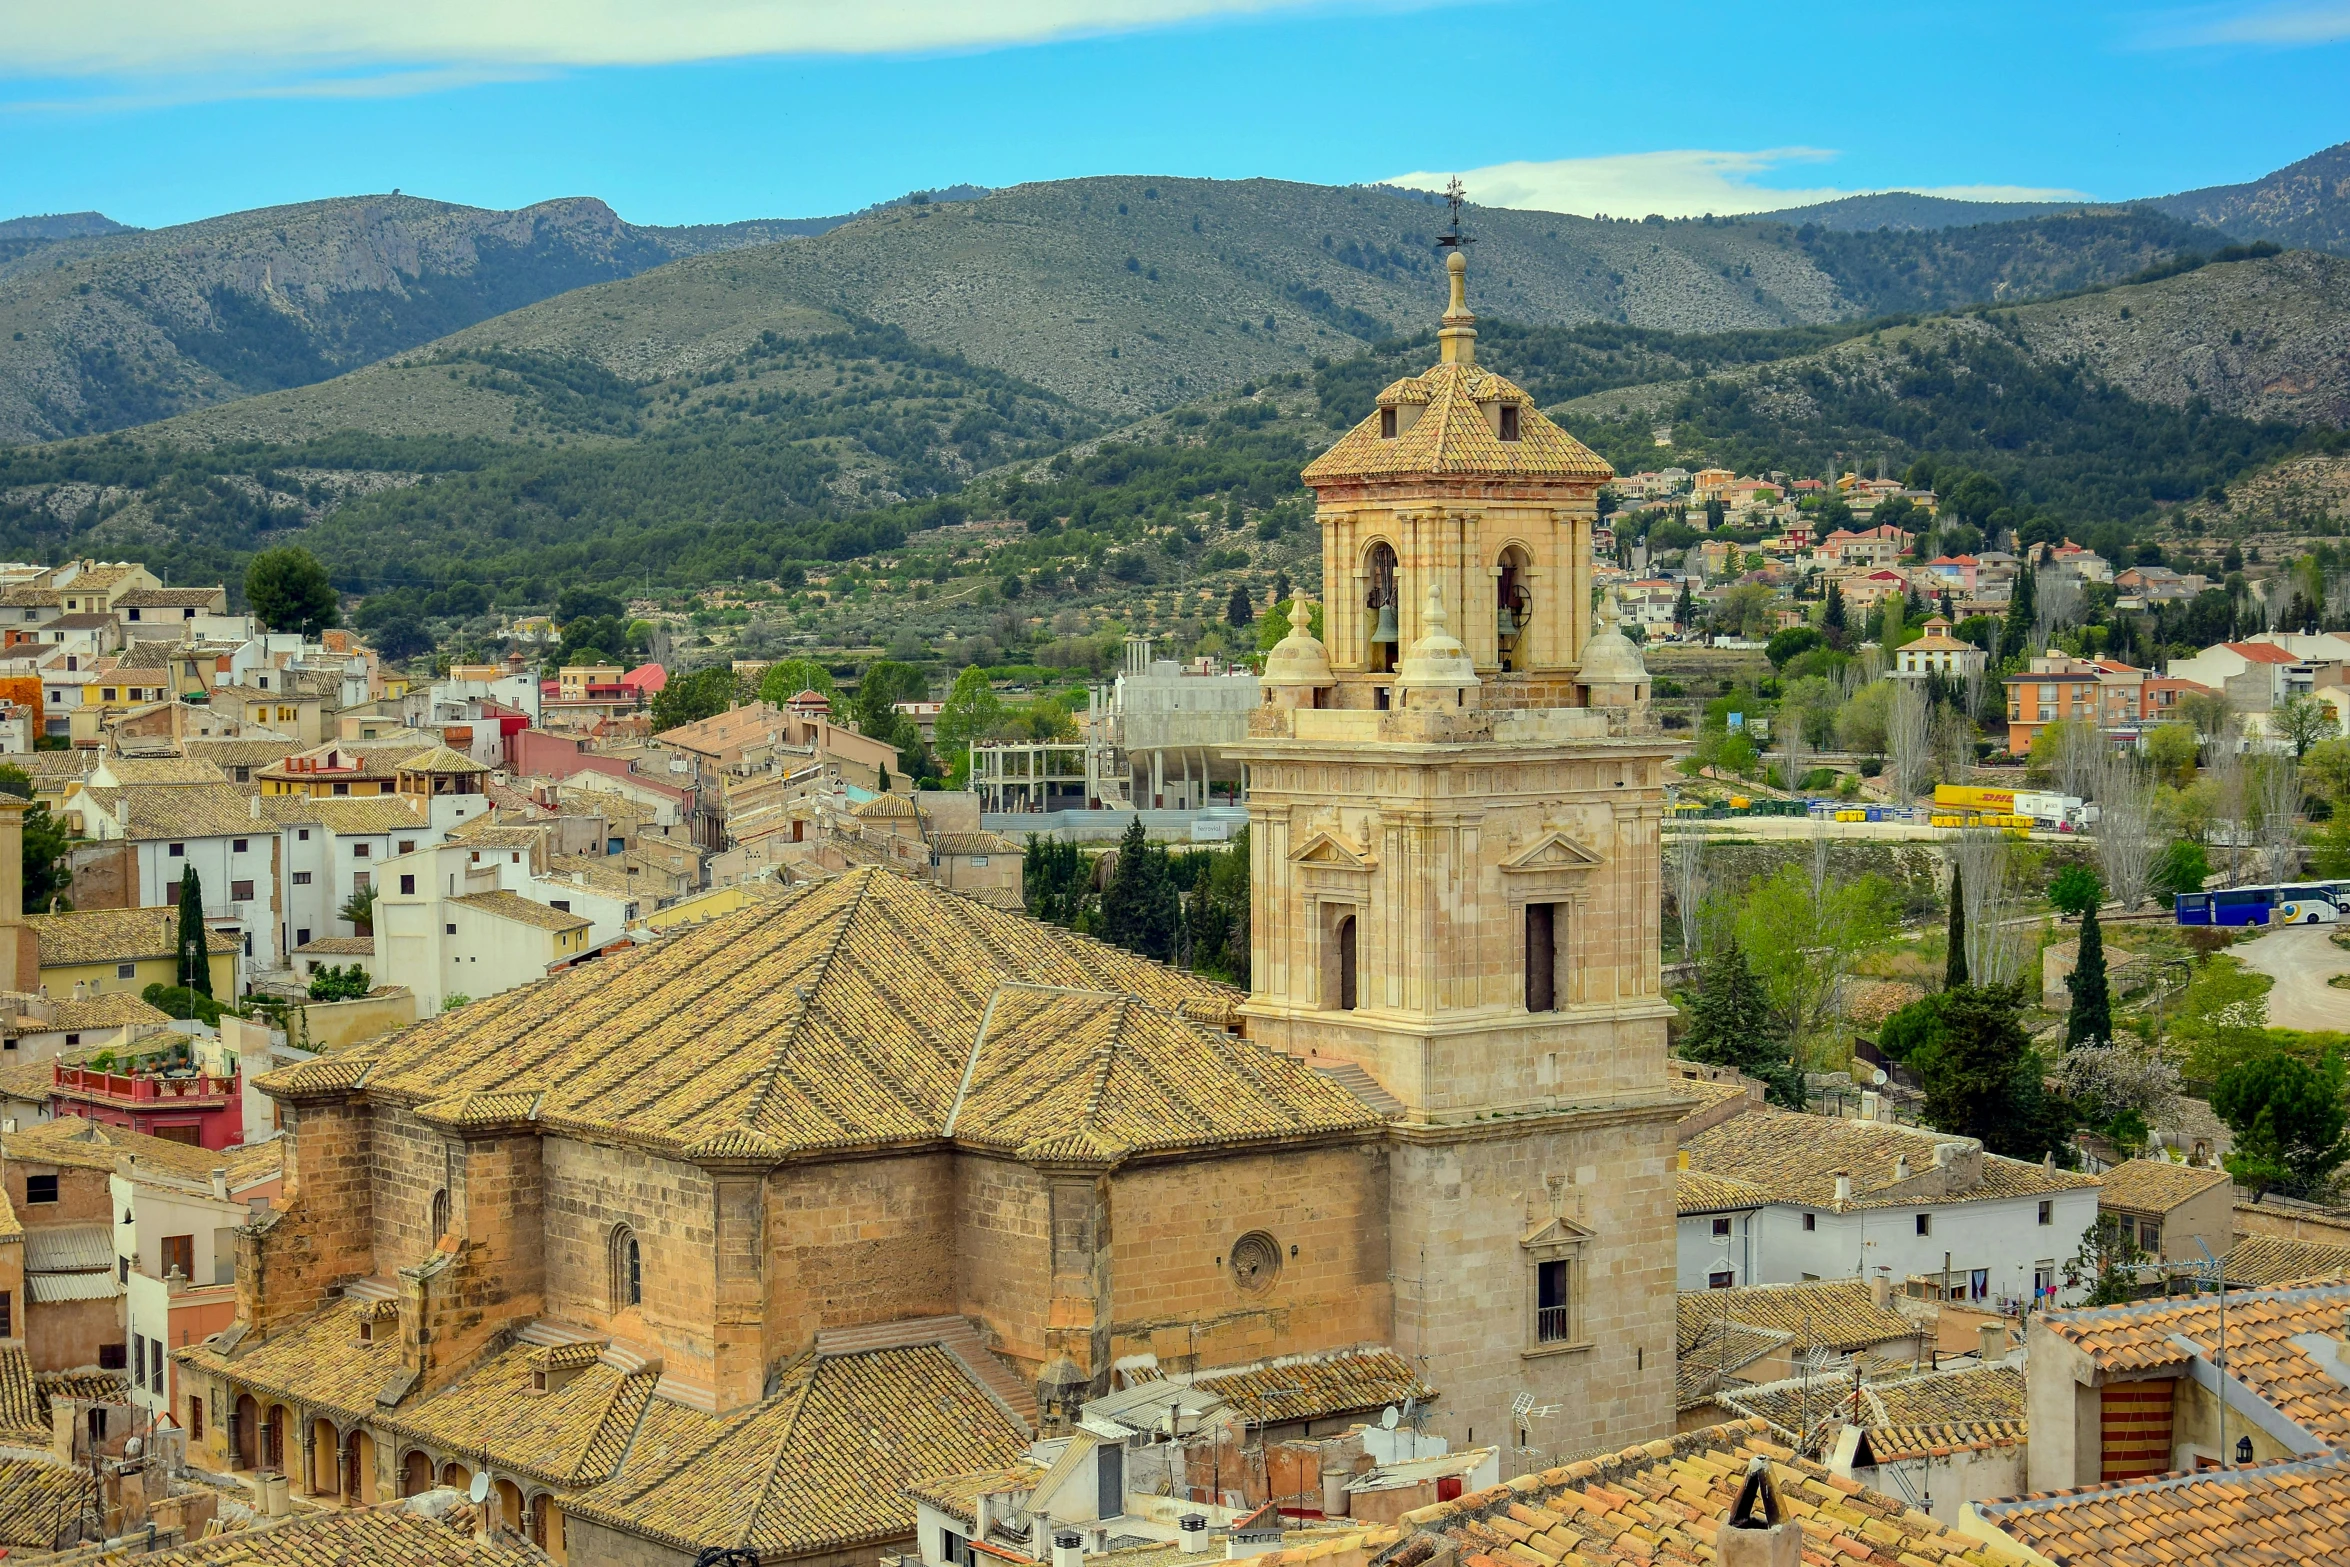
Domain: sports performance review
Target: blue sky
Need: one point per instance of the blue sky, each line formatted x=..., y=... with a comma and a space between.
x=711, y=110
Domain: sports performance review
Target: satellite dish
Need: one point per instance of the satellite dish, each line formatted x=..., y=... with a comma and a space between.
x=1388, y=1417
x=1877, y=1075
x=481, y=1488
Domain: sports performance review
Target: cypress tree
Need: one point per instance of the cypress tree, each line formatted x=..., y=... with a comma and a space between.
x=1140, y=909
x=1731, y=1023
x=1954, y=966
x=195, y=959
x=2091, y=1020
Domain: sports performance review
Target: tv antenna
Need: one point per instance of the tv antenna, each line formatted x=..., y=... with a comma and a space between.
x=1452, y=238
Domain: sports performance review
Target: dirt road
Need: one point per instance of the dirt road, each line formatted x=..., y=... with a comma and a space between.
x=2301, y=959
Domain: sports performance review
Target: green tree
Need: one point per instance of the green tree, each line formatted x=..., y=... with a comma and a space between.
x=2107, y=1261
x=1832, y=616
x=688, y=699
x=1140, y=911
x=789, y=678
x=1804, y=940
x=970, y=713
x=359, y=909
x=48, y=847
x=1954, y=961
x=1275, y=623
x=2075, y=890
x=2017, y=635
x=195, y=947
x=2301, y=722
x=2171, y=748
x=884, y=684
x=1982, y=1076
x=1238, y=610
x=289, y=591
x=1786, y=644
x=2287, y=1117
x=330, y=983
x=1914, y=1029
x=2183, y=868
x=1216, y=910
x=2090, y=1020
x=1731, y=1023
x=1056, y=881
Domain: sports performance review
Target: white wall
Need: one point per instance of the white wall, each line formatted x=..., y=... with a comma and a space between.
x=2001, y=1236
x=1702, y=1252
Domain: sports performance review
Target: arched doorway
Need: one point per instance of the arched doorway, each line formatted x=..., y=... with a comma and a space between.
x=509, y=1504
x=1513, y=610
x=456, y=1476
x=274, y=1450
x=361, y=1488
x=248, y=1432
x=1381, y=608
x=323, y=1455
x=415, y=1474
x=1344, y=989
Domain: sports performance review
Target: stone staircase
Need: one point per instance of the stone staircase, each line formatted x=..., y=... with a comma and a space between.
x=958, y=1338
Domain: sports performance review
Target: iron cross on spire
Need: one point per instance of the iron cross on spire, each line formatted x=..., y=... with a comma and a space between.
x=1452, y=238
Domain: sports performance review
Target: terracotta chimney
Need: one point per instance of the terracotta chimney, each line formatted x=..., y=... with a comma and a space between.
x=20, y=956
x=1994, y=1342
x=1881, y=1291
x=1758, y=1532
x=1843, y=1188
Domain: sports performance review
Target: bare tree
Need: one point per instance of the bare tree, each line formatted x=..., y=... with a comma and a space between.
x=1794, y=753
x=2230, y=791
x=2280, y=818
x=2125, y=827
x=1993, y=887
x=1907, y=739
x=1689, y=886
x=2080, y=749
x=2056, y=602
x=2121, y=1077
x=1954, y=744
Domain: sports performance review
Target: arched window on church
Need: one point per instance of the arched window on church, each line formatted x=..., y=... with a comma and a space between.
x=1343, y=961
x=1513, y=610
x=440, y=1213
x=628, y=1269
x=1380, y=608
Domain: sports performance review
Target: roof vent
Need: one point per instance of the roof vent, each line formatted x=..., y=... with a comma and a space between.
x=1901, y=1168
x=1843, y=1186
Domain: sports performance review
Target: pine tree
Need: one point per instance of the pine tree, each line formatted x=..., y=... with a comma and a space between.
x=1731, y=1023
x=2091, y=1019
x=1140, y=909
x=195, y=960
x=1954, y=966
x=1238, y=610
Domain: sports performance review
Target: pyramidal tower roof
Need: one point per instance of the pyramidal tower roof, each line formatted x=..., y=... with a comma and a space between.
x=1441, y=425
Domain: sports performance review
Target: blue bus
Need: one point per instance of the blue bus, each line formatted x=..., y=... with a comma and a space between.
x=2254, y=905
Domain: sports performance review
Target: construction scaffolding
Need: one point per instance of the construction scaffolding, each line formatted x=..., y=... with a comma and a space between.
x=1068, y=775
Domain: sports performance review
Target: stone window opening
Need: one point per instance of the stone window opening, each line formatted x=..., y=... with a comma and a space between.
x=1256, y=1261
x=440, y=1213
x=1509, y=421
x=1381, y=607
x=1341, y=965
x=1554, y=1311
x=1554, y=1288
x=1387, y=424
x=1542, y=950
x=628, y=1270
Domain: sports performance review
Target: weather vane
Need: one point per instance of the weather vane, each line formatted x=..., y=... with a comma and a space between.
x=1452, y=238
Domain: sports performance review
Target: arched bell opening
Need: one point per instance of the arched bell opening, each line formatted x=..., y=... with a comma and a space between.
x=1379, y=608
x=1513, y=609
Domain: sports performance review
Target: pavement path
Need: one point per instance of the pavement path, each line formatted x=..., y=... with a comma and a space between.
x=2301, y=959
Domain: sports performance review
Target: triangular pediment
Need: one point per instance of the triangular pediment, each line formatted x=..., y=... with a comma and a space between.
x=1556, y=1231
x=1324, y=847
x=1553, y=851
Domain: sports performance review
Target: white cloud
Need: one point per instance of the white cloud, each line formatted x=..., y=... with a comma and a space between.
x=1678, y=184
x=2287, y=26
x=256, y=39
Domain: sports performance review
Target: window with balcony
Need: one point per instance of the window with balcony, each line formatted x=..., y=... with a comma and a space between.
x=1554, y=1310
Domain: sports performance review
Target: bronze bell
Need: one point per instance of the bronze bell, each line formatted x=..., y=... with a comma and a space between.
x=1505, y=624
x=1385, y=631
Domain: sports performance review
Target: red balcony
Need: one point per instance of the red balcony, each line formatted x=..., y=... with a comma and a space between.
x=143, y=1091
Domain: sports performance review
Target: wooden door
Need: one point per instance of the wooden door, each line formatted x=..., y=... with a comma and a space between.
x=2135, y=1429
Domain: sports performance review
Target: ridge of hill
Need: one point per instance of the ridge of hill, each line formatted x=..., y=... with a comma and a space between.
x=1909, y=209
x=1119, y=294
x=2304, y=204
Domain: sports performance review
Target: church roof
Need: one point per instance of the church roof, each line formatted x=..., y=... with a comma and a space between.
x=1451, y=438
x=865, y=1011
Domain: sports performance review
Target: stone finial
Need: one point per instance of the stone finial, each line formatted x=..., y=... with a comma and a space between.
x=1436, y=672
x=1612, y=673
x=1299, y=663
x=1457, y=340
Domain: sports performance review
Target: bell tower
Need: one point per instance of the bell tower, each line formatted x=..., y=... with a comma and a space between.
x=1456, y=877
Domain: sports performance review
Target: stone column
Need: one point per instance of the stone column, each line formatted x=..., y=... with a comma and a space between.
x=343, y=1470
x=309, y=1456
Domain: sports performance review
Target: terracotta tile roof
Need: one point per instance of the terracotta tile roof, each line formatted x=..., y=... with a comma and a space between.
x=163, y=770
x=337, y=947
x=974, y=843
x=2155, y=1185
x=169, y=598
x=107, y=1009
x=73, y=1142
x=364, y=817
x=440, y=759
x=2291, y=1512
x=240, y=753
x=1905, y=1413
x=1694, y=1191
x=570, y=1437
x=24, y=1411
x=1660, y=1504
x=514, y=906
x=822, y=1466
x=1317, y=1387
x=26, y=596
x=846, y=1014
x=182, y=810
x=958, y=1495
x=1451, y=436
x=1822, y=1314
x=1797, y=1157
x=2270, y=1260
x=35, y=1498
x=319, y=1360
x=114, y=936
x=2262, y=1354
x=386, y=1536
x=2261, y=652
x=602, y=872
x=1711, y=1361
x=883, y=807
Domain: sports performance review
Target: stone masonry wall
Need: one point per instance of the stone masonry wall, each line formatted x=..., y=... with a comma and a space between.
x=321, y=1231
x=1173, y=1230
x=1003, y=1256
x=864, y=1241
x=588, y=1189
x=409, y=1163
